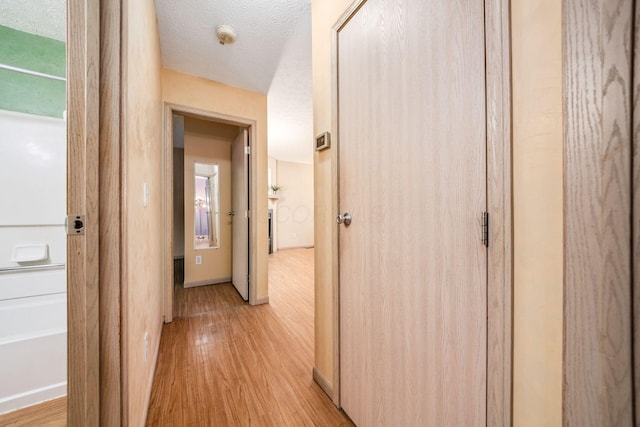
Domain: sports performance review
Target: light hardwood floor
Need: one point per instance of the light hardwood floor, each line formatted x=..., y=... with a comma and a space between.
x=50, y=414
x=229, y=364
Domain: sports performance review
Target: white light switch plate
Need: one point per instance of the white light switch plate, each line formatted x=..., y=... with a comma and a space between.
x=145, y=194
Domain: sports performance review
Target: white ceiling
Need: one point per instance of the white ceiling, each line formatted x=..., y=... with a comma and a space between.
x=272, y=54
x=189, y=43
x=290, y=99
x=42, y=17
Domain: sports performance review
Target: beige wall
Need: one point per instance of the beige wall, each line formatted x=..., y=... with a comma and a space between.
x=142, y=152
x=203, y=143
x=538, y=211
x=295, y=205
x=324, y=13
x=196, y=92
x=537, y=167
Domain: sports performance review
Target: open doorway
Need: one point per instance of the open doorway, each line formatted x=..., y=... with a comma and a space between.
x=207, y=207
x=210, y=208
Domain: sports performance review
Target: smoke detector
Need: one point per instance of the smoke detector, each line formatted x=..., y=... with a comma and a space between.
x=226, y=34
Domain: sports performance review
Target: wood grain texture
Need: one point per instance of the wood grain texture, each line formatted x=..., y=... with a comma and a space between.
x=499, y=351
x=83, y=58
x=204, y=299
x=635, y=228
x=52, y=413
x=141, y=226
x=291, y=297
x=110, y=198
x=244, y=365
x=413, y=272
x=499, y=202
x=597, y=386
x=335, y=204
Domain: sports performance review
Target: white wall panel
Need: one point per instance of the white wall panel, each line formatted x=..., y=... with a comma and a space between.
x=32, y=169
x=32, y=370
x=33, y=304
x=26, y=318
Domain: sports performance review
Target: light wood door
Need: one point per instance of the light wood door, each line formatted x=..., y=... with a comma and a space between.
x=412, y=173
x=240, y=201
x=89, y=160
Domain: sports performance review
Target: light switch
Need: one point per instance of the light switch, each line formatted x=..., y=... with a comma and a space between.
x=145, y=194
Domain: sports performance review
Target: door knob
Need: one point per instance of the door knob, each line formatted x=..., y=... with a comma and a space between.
x=344, y=219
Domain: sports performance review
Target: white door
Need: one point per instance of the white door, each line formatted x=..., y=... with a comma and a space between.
x=240, y=202
x=412, y=157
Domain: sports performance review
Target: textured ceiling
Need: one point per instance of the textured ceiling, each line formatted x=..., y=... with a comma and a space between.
x=42, y=17
x=189, y=43
x=272, y=55
x=290, y=99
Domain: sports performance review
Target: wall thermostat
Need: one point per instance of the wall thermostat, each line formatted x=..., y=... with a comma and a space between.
x=323, y=141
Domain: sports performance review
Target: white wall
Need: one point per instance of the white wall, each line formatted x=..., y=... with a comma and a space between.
x=272, y=179
x=295, y=205
x=33, y=305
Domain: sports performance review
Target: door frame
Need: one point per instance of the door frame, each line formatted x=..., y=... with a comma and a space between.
x=167, y=191
x=95, y=368
x=499, y=202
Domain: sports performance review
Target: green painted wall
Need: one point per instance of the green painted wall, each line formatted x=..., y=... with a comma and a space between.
x=26, y=93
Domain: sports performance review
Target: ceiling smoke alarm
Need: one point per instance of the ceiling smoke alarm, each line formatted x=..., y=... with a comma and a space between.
x=226, y=34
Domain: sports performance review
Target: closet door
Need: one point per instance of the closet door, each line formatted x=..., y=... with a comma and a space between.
x=412, y=173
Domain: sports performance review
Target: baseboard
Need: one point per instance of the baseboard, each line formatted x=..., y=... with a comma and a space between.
x=153, y=373
x=34, y=368
x=207, y=282
x=259, y=301
x=324, y=384
x=33, y=397
x=283, y=248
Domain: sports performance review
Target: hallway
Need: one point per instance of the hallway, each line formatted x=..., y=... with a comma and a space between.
x=230, y=364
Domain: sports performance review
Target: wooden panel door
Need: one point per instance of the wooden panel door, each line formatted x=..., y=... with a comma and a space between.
x=412, y=173
x=240, y=203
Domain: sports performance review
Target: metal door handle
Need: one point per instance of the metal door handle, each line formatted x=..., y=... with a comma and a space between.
x=231, y=213
x=344, y=219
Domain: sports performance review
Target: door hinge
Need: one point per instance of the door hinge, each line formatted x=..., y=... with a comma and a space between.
x=485, y=229
x=247, y=214
x=248, y=278
x=247, y=149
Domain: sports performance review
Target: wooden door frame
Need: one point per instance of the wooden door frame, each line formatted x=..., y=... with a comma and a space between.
x=601, y=235
x=499, y=205
x=94, y=361
x=167, y=239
